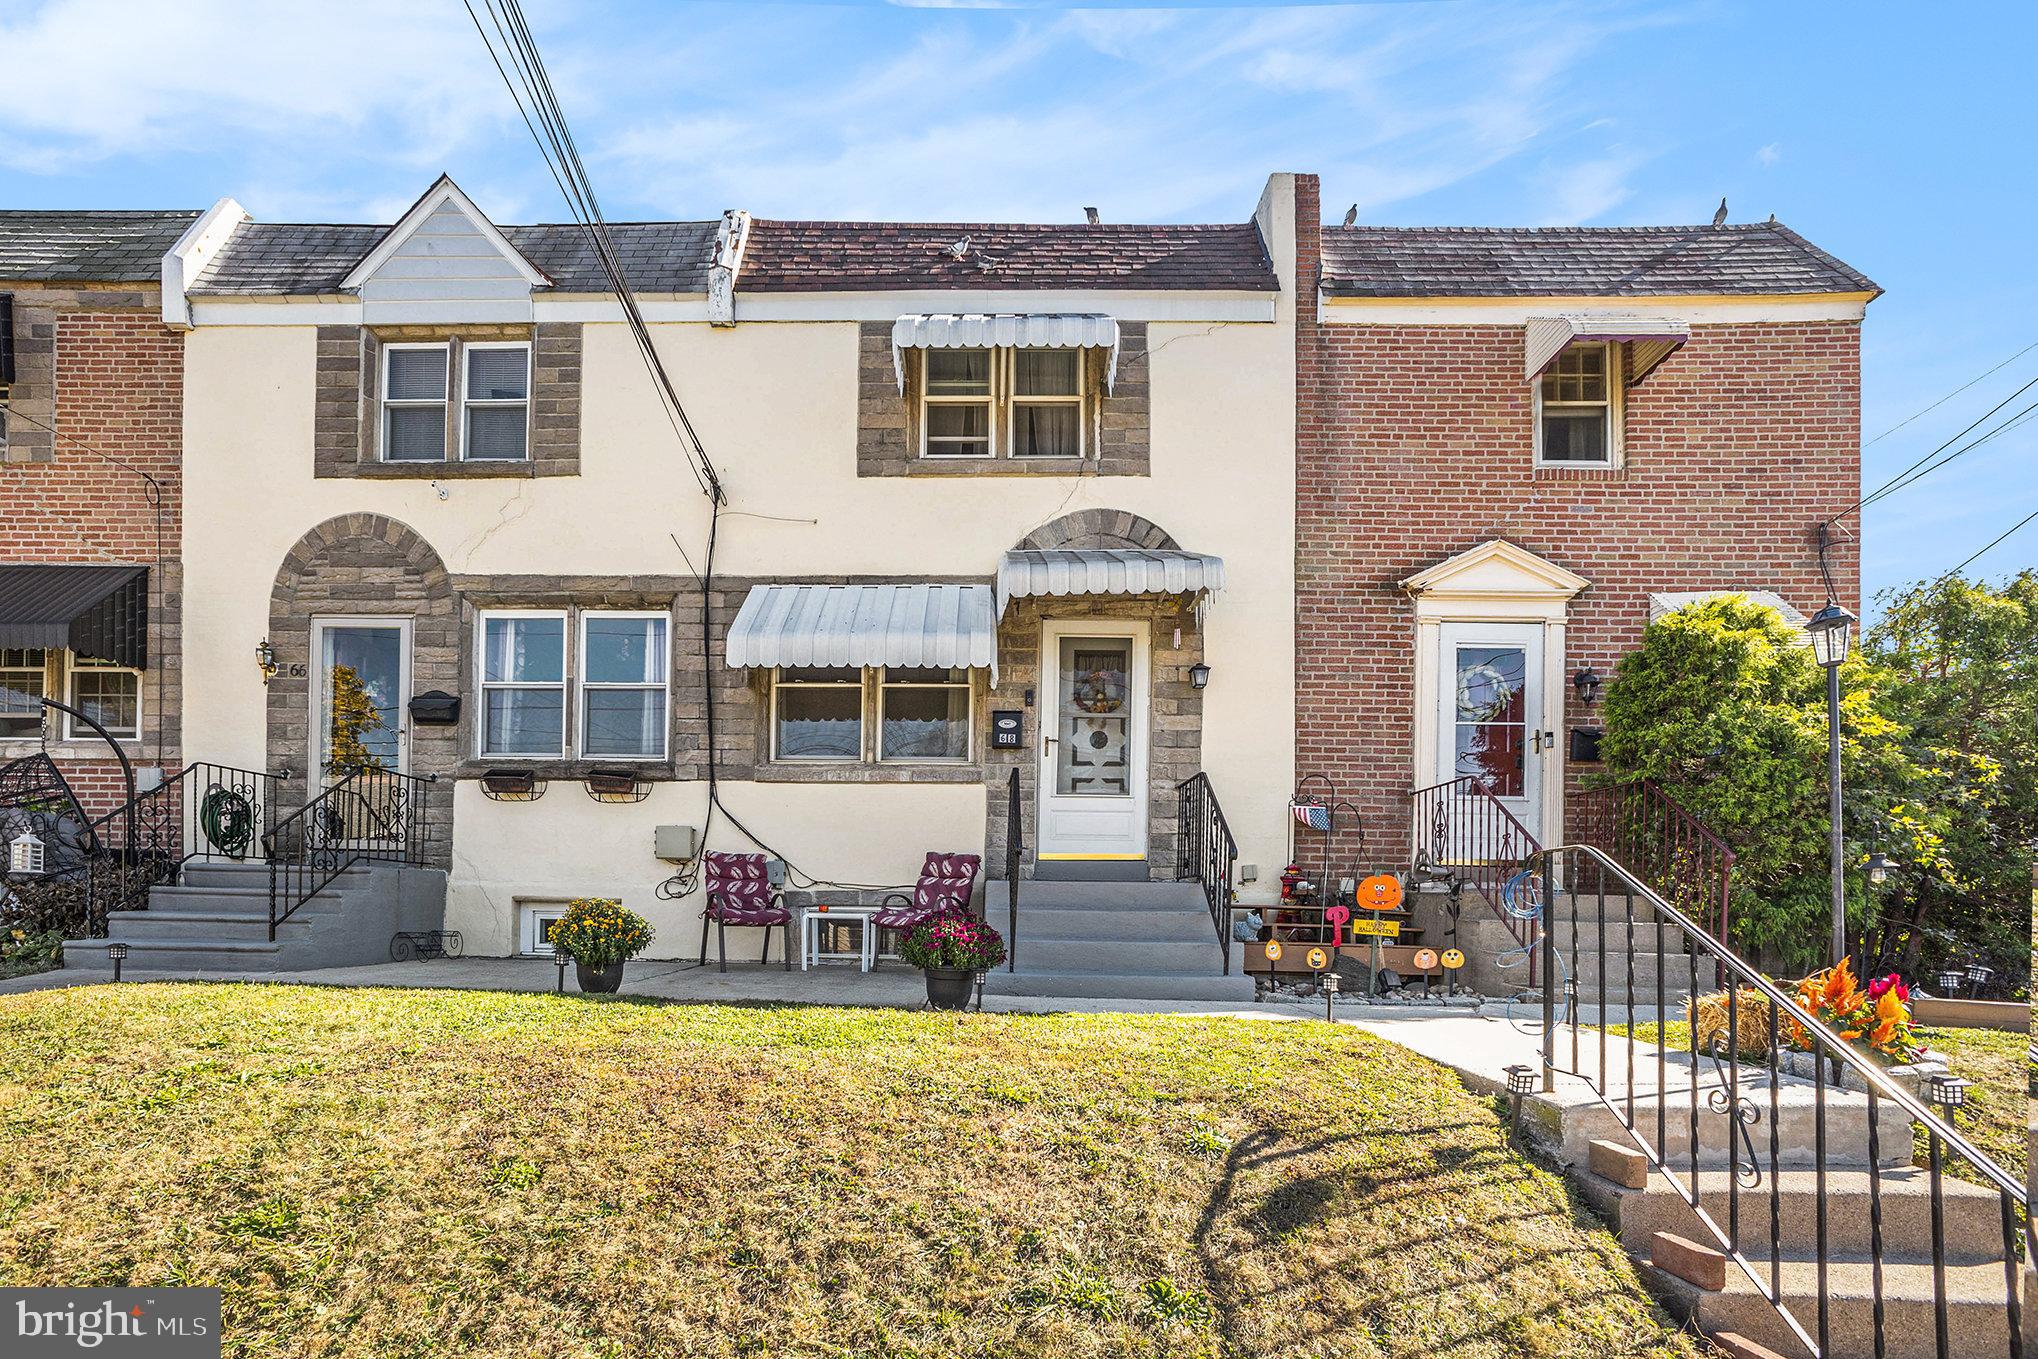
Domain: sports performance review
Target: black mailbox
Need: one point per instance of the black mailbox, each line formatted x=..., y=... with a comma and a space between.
x=1585, y=745
x=435, y=708
x=1008, y=730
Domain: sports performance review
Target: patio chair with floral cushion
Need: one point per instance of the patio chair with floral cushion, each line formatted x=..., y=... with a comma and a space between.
x=946, y=883
x=740, y=893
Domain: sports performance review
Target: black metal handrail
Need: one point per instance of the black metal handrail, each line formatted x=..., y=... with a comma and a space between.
x=1460, y=832
x=368, y=816
x=1208, y=853
x=206, y=811
x=1015, y=857
x=1779, y=1020
x=1688, y=863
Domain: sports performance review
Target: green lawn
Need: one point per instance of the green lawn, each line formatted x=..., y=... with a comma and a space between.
x=380, y=1172
x=1997, y=1110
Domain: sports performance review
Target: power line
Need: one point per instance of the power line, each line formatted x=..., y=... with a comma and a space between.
x=1919, y=469
x=1955, y=392
x=1993, y=543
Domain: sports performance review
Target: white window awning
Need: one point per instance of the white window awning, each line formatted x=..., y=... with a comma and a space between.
x=1107, y=571
x=1649, y=339
x=934, y=626
x=1005, y=330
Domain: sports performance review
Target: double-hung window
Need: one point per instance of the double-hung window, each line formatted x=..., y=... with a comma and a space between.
x=470, y=400
x=109, y=694
x=622, y=671
x=414, y=390
x=923, y=715
x=817, y=714
x=22, y=680
x=990, y=403
x=1578, y=407
x=523, y=684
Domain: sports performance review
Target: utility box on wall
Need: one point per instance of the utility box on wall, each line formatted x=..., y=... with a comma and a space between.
x=676, y=844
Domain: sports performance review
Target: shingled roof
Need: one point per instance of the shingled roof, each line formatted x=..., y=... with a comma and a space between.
x=871, y=256
x=87, y=247
x=296, y=259
x=1754, y=258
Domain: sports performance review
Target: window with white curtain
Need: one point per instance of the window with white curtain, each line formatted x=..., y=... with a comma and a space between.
x=622, y=673
x=414, y=400
x=496, y=402
x=923, y=715
x=1017, y=403
x=1578, y=407
x=523, y=684
x=817, y=714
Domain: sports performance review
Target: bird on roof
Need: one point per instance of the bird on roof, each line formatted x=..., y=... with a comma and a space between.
x=1092, y=215
x=956, y=250
x=1352, y=215
x=1719, y=218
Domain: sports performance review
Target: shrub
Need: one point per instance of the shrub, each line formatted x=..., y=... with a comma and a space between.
x=953, y=939
x=597, y=931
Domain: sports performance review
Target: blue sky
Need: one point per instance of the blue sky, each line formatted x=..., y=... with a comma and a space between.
x=1899, y=138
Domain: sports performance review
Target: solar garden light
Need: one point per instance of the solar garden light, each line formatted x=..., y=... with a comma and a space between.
x=1521, y=1082
x=1947, y=1091
x=1950, y=979
x=1831, y=629
x=982, y=977
x=560, y=959
x=118, y=953
x=1979, y=975
x=1329, y=994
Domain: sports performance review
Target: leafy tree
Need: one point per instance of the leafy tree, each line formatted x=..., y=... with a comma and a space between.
x=1959, y=662
x=1724, y=706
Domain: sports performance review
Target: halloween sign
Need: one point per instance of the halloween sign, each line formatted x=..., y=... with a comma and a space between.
x=1376, y=929
x=1425, y=960
x=1335, y=916
x=1317, y=959
x=1273, y=950
x=1381, y=892
x=1453, y=959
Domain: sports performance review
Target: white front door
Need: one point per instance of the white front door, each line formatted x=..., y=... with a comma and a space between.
x=1491, y=723
x=1093, y=723
x=360, y=695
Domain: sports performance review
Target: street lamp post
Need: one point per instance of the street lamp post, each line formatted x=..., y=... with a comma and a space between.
x=1831, y=629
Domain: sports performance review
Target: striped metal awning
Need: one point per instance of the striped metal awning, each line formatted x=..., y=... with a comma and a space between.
x=96, y=611
x=1106, y=571
x=1005, y=330
x=1649, y=339
x=936, y=626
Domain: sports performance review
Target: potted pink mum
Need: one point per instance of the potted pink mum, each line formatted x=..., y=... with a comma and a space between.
x=952, y=948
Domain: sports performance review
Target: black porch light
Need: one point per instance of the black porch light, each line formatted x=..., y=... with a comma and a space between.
x=1588, y=684
x=1199, y=676
x=118, y=953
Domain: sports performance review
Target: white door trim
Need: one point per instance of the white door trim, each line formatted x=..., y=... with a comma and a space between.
x=315, y=757
x=1452, y=635
x=1132, y=846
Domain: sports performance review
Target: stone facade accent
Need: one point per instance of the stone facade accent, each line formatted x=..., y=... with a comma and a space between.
x=346, y=426
x=1099, y=528
x=365, y=564
x=1416, y=442
x=888, y=435
x=99, y=365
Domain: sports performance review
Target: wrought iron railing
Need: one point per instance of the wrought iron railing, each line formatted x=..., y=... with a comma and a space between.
x=1462, y=834
x=206, y=811
x=1208, y=853
x=366, y=816
x=1652, y=835
x=1015, y=859
x=1785, y=1051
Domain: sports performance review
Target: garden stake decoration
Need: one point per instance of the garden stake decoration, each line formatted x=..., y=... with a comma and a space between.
x=1381, y=892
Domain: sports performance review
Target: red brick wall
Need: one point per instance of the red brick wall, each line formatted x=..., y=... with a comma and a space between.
x=1415, y=443
x=119, y=380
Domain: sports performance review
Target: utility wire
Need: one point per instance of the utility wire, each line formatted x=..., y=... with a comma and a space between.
x=1919, y=468
x=1955, y=392
x=1993, y=543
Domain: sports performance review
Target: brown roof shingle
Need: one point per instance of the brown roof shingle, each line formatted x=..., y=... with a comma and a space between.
x=1764, y=258
x=873, y=256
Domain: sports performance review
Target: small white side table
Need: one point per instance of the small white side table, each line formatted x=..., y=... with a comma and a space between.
x=811, y=921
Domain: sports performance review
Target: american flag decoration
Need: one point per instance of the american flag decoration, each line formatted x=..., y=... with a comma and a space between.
x=1314, y=815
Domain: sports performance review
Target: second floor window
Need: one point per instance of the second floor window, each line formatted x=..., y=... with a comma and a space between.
x=470, y=401
x=1012, y=403
x=1578, y=408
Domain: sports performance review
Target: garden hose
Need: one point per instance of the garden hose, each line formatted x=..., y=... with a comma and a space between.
x=1521, y=899
x=228, y=821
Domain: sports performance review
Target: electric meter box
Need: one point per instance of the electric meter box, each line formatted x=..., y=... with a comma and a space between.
x=678, y=844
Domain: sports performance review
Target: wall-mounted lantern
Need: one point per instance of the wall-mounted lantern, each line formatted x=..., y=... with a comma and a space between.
x=1587, y=682
x=265, y=660
x=1199, y=676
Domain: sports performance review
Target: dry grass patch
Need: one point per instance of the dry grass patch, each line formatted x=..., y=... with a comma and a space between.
x=378, y=1172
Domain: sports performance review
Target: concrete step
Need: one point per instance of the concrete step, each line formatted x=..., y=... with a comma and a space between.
x=160, y=926
x=1617, y=935
x=249, y=873
x=1973, y=1215
x=181, y=900
x=200, y=953
x=1182, y=927
x=1120, y=955
x=1977, y=1302
x=1037, y=896
x=1080, y=983
x=1573, y=1118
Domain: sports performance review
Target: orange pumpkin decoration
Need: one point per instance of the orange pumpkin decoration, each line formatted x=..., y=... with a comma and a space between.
x=1381, y=892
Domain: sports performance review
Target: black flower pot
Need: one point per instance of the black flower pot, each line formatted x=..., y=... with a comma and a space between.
x=604, y=980
x=948, y=988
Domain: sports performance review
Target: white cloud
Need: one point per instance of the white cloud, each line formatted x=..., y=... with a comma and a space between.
x=1770, y=154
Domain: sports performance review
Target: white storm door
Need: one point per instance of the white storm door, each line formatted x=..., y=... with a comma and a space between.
x=1491, y=724
x=360, y=695
x=1093, y=724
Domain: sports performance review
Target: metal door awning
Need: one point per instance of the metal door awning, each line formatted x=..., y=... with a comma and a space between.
x=96, y=611
x=919, y=625
x=1107, y=571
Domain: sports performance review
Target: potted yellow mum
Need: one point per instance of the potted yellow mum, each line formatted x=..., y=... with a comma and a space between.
x=600, y=936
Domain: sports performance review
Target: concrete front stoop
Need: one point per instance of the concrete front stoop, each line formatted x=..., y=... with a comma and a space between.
x=1113, y=940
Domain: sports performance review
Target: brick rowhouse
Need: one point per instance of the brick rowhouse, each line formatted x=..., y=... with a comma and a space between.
x=98, y=364
x=1415, y=442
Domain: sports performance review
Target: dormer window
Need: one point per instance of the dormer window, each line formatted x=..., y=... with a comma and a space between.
x=1012, y=403
x=1578, y=407
x=472, y=397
